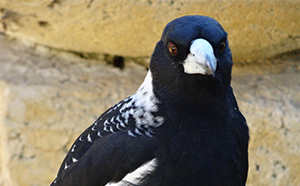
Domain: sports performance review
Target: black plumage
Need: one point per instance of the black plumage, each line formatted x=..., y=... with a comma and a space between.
x=183, y=122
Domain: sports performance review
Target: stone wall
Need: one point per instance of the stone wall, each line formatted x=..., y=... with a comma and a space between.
x=269, y=96
x=48, y=101
x=48, y=96
x=258, y=29
x=4, y=155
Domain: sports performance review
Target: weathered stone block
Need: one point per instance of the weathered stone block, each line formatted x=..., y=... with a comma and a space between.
x=257, y=29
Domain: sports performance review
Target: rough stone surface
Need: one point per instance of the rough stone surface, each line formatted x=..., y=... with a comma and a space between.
x=49, y=101
x=269, y=97
x=47, y=98
x=4, y=172
x=258, y=29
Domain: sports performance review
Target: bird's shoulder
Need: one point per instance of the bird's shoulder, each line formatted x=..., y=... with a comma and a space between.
x=127, y=129
x=128, y=116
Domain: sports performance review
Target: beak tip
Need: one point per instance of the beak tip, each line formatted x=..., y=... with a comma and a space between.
x=212, y=68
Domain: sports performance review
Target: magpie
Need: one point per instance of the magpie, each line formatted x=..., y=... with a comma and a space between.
x=182, y=127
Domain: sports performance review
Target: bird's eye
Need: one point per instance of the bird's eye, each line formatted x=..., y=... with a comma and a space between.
x=222, y=46
x=172, y=48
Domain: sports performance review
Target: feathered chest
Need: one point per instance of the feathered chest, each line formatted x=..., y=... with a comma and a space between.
x=203, y=148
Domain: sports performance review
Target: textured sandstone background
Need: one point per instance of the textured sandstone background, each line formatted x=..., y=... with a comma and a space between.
x=49, y=96
x=258, y=29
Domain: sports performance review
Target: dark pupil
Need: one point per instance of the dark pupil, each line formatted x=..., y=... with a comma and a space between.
x=222, y=46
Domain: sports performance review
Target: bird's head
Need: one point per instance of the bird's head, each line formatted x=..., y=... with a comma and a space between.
x=192, y=61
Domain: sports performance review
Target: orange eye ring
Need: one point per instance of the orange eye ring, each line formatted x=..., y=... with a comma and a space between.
x=172, y=48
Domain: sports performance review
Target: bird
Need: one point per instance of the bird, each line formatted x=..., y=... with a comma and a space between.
x=182, y=127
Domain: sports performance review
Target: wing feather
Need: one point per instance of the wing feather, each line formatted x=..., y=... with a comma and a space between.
x=106, y=148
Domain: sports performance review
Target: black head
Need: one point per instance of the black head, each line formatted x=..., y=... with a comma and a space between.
x=168, y=61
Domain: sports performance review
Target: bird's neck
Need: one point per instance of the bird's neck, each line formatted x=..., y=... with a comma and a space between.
x=200, y=115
